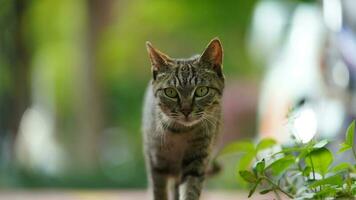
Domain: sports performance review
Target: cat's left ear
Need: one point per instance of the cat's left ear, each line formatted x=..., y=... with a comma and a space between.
x=159, y=60
x=213, y=55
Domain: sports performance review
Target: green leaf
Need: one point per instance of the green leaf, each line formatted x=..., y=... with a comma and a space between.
x=279, y=166
x=290, y=150
x=341, y=167
x=350, y=134
x=344, y=147
x=320, y=144
x=349, y=138
x=307, y=171
x=266, y=191
x=353, y=190
x=332, y=180
x=245, y=161
x=260, y=167
x=325, y=192
x=265, y=144
x=303, y=154
x=248, y=176
x=321, y=160
x=253, y=189
x=238, y=147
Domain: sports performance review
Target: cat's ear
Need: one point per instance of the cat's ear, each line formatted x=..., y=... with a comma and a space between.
x=213, y=55
x=158, y=59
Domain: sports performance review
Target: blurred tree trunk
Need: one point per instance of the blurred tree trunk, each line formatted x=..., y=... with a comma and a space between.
x=22, y=70
x=16, y=96
x=90, y=105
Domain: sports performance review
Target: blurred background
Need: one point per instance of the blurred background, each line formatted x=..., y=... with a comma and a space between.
x=73, y=75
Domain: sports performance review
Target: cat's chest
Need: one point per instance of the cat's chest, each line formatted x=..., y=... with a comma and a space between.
x=174, y=145
x=170, y=151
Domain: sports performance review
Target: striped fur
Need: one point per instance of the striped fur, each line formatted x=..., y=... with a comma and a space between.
x=179, y=132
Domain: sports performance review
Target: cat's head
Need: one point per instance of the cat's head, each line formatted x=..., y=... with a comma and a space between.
x=188, y=90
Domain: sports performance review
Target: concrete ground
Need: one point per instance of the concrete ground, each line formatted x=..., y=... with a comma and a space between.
x=112, y=195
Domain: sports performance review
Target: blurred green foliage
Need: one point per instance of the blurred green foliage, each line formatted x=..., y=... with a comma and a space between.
x=55, y=34
x=293, y=170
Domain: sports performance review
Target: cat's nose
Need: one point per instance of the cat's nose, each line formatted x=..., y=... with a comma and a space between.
x=186, y=111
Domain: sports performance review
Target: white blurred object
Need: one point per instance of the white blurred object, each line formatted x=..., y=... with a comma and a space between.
x=304, y=124
x=269, y=22
x=294, y=75
x=330, y=114
x=332, y=11
x=36, y=147
x=340, y=75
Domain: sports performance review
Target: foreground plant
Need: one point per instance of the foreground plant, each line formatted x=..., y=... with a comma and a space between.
x=299, y=171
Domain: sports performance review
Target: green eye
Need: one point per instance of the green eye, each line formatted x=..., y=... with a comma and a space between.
x=170, y=92
x=201, y=91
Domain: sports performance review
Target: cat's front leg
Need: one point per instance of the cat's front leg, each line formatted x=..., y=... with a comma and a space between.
x=191, y=188
x=192, y=179
x=159, y=186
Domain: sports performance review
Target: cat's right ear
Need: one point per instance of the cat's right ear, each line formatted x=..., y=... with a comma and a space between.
x=159, y=60
x=213, y=55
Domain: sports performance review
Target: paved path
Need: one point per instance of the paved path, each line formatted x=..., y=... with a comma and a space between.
x=110, y=195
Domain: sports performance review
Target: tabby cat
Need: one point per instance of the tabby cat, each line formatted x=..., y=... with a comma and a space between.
x=181, y=120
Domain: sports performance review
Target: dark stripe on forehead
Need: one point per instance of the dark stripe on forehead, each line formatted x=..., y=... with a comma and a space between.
x=189, y=72
x=193, y=70
x=192, y=75
x=180, y=76
x=195, y=80
x=177, y=81
x=177, y=75
x=174, y=79
x=185, y=74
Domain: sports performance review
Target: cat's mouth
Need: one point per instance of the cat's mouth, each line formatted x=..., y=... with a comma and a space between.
x=183, y=120
x=188, y=120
